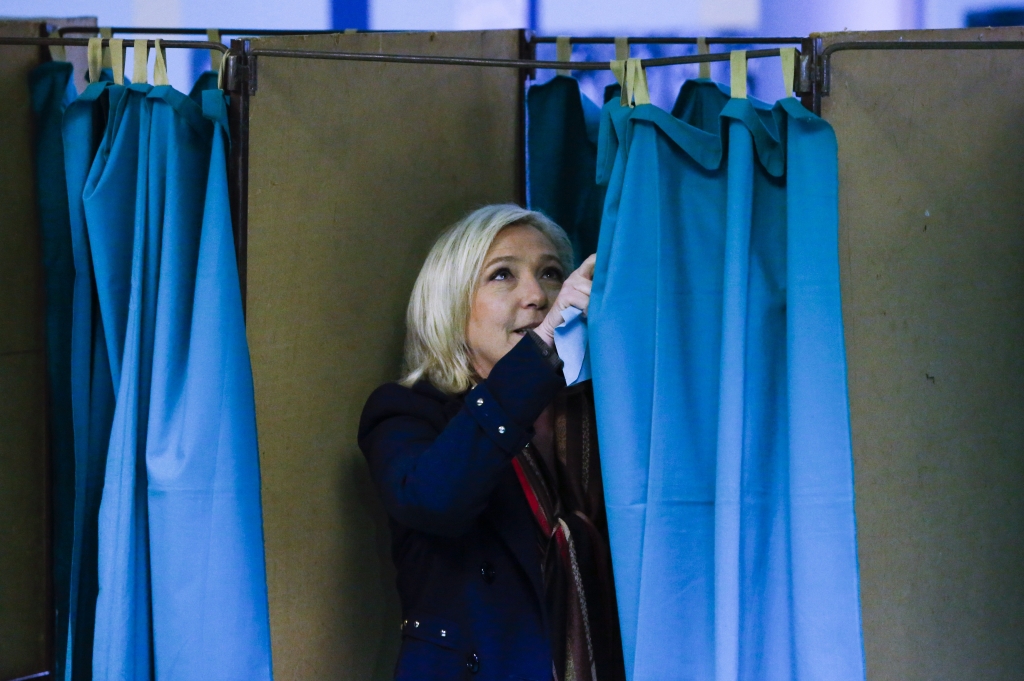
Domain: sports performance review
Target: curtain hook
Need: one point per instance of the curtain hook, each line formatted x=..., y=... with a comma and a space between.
x=116, y=48
x=141, y=48
x=705, y=66
x=95, y=57
x=563, y=52
x=738, y=73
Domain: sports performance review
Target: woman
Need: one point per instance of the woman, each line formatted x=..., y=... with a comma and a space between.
x=483, y=460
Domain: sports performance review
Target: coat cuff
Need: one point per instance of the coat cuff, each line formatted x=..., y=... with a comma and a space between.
x=496, y=424
x=520, y=386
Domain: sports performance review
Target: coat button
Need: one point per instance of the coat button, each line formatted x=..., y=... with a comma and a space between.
x=487, y=572
x=501, y=429
x=479, y=401
x=473, y=663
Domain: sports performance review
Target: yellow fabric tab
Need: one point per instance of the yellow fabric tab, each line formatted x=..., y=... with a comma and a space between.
x=563, y=52
x=160, y=67
x=705, y=66
x=638, y=83
x=788, y=55
x=213, y=35
x=139, y=73
x=117, y=59
x=107, y=33
x=94, y=54
x=738, y=73
x=633, y=79
x=57, y=52
x=621, y=48
x=618, y=68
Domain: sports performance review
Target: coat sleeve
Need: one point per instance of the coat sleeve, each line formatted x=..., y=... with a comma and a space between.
x=437, y=477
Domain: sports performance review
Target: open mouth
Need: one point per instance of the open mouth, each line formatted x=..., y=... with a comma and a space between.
x=521, y=331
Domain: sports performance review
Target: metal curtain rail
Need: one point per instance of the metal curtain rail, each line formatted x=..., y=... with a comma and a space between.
x=499, y=63
x=667, y=40
x=84, y=42
x=163, y=30
x=825, y=58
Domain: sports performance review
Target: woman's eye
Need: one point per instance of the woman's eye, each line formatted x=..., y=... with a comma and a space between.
x=553, y=273
x=501, y=275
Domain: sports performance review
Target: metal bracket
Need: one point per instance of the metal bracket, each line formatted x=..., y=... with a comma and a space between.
x=806, y=74
x=240, y=71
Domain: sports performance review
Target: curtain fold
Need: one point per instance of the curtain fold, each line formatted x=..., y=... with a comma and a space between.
x=183, y=585
x=167, y=576
x=92, y=391
x=52, y=90
x=720, y=388
x=563, y=126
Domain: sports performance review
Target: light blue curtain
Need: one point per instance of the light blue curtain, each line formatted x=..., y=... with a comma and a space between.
x=51, y=90
x=162, y=396
x=720, y=388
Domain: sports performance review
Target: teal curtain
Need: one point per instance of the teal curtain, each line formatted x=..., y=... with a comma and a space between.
x=51, y=90
x=85, y=131
x=720, y=388
x=181, y=573
x=562, y=132
x=166, y=575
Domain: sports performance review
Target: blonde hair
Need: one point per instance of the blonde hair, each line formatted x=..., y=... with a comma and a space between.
x=439, y=307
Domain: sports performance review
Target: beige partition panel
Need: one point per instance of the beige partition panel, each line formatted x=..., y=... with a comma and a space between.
x=24, y=526
x=931, y=167
x=354, y=169
x=25, y=619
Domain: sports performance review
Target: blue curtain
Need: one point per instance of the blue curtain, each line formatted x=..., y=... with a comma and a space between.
x=562, y=133
x=85, y=131
x=720, y=388
x=167, y=569
x=52, y=90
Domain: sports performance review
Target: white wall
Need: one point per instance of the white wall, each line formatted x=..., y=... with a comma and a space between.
x=447, y=15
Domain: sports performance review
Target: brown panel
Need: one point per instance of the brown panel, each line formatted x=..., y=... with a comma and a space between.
x=931, y=166
x=24, y=577
x=354, y=169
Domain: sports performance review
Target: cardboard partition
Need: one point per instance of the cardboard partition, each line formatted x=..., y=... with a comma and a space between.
x=931, y=172
x=355, y=168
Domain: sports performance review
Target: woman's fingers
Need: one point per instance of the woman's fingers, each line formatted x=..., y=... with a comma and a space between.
x=583, y=285
x=586, y=270
x=574, y=298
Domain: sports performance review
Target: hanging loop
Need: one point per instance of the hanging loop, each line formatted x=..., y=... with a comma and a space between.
x=116, y=48
x=213, y=35
x=108, y=33
x=633, y=79
x=738, y=73
x=638, y=83
x=57, y=52
x=141, y=49
x=95, y=57
x=563, y=52
x=705, y=66
x=160, y=66
x=621, y=48
x=788, y=55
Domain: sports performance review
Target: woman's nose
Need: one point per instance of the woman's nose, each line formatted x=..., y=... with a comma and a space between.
x=533, y=293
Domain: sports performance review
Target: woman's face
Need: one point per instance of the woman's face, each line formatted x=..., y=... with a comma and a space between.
x=519, y=280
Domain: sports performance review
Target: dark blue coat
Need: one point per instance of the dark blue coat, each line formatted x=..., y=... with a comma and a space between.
x=464, y=541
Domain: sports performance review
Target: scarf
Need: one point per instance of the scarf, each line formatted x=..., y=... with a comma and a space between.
x=568, y=507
